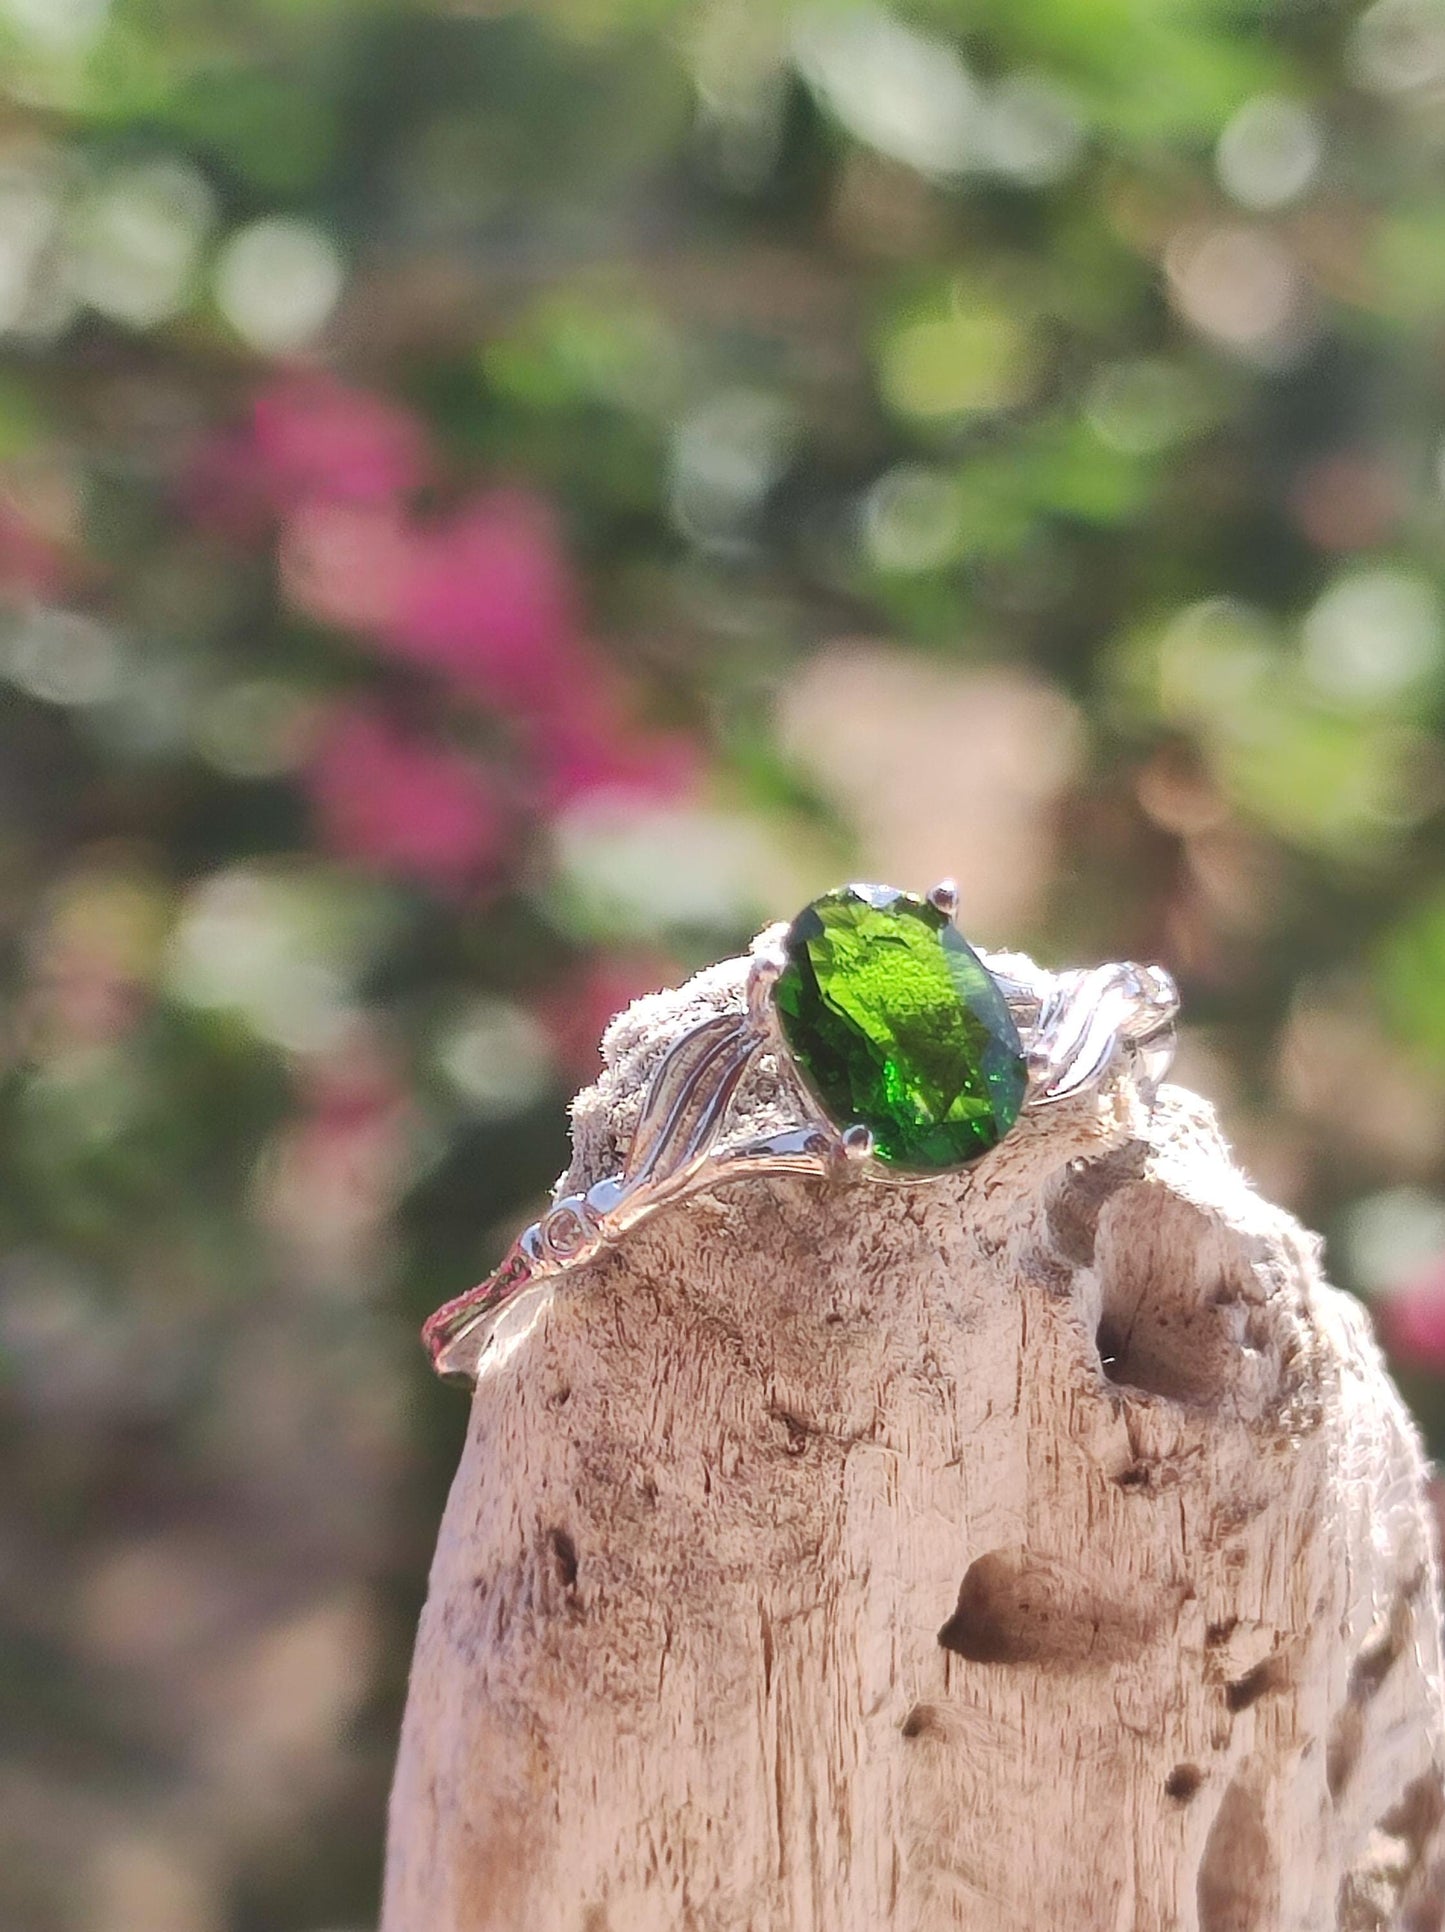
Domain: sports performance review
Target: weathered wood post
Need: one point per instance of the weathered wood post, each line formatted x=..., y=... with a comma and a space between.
x=1044, y=1547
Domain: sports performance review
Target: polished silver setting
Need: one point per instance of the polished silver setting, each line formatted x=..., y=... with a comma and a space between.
x=1076, y=1027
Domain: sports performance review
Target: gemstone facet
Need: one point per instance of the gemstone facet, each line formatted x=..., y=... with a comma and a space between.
x=896, y=1024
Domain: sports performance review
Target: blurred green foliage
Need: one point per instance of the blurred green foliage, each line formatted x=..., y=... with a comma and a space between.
x=497, y=501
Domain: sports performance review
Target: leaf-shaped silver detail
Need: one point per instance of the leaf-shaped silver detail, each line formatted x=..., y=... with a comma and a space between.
x=688, y=1096
x=1086, y=1019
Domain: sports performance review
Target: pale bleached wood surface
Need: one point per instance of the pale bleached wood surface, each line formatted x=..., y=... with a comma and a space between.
x=1043, y=1550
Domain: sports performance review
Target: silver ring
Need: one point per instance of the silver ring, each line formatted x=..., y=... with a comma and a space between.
x=1070, y=1030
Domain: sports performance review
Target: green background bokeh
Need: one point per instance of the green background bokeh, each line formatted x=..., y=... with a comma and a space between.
x=497, y=502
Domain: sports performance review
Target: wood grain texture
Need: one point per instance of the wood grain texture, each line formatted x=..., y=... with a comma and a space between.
x=1044, y=1547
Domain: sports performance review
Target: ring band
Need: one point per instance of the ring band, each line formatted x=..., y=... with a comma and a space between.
x=843, y=1000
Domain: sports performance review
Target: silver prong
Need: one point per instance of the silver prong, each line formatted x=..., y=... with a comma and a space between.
x=858, y=1142
x=944, y=897
x=764, y=970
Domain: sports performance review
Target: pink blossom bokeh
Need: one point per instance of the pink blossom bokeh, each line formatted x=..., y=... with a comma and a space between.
x=405, y=804
x=1411, y=1319
x=304, y=438
x=477, y=602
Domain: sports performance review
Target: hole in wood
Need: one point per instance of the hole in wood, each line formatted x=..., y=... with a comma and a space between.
x=921, y=1721
x=1076, y=1195
x=1413, y=1821
x=1375, y=1659
x=795, y=1432
x=1182, y=1783
x=564, y=1556
x=1267, y=1676
x=1164, y=1326
x=1394, y=1881
x=1017, y=1607
x=1238, y=1889
x=1342, y=1753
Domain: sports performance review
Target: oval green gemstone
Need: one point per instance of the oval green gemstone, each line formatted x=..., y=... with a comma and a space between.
x=895, y=1023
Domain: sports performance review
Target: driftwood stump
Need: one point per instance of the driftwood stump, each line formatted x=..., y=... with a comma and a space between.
x=1042, y=1549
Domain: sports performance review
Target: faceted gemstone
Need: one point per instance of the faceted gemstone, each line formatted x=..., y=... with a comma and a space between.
x=895, y=1022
